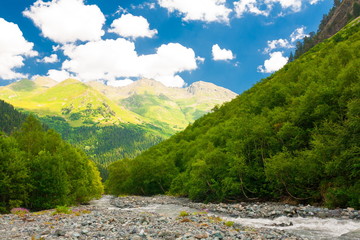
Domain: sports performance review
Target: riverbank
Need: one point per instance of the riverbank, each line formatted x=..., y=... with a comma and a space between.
x=163, y=217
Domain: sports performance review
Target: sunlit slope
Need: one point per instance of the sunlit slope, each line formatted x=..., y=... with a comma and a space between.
x=172, y=108
x=76, y=102
x=294, y=135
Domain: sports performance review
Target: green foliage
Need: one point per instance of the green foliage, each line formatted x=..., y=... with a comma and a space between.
x=295, y=134
x=19, y=211
x=10, y=119
x=39, y=170
x=106, y=144
x=184, y=214
x=229, y=223
x=62, y=210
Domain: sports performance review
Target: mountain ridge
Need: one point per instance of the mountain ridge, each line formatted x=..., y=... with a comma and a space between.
x=108, y=122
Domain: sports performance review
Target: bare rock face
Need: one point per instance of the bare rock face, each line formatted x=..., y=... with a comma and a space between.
x=343, y=13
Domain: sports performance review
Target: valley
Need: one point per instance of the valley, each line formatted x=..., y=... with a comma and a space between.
x=164, y=217
x=110, y=123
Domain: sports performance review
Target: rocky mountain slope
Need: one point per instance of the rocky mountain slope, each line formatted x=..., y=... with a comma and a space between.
x=338, y=18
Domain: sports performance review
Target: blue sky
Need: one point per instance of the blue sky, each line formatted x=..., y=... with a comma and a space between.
x=232, y=44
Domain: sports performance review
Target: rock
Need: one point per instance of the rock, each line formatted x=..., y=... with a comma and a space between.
x=217, y=235
x=201, y=236
x=59, y=232
x=142, y=233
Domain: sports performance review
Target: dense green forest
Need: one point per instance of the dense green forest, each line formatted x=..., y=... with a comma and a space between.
x=10, y=119
x=38, y=170
x=294, y=135
x=106, y=144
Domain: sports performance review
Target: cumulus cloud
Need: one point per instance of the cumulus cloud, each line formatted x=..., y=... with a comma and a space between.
x=221, y=54
x=201, y=10
x=132, y=26
x=114, y=59
x=274, y=63
x=13, y=50
x=279, y=43
x=298, y=34
x=59, y=75
x=294, y=5
x=65, y=21
x=53, y=58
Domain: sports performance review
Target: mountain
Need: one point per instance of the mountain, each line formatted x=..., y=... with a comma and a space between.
x=339, y=15
x=111, y=123
x=172, y=108
x=294, y=136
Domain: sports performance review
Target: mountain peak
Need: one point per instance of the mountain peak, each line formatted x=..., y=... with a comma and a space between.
x=45, y=82
x=211, y=90
x=70, y=81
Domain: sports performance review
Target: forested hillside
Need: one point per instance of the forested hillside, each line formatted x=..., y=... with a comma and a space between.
x=38, y=170
x=10, y=119
x=295, y=134
x=110, y=123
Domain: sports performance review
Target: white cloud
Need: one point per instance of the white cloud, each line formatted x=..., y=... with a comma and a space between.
x=13, y=50
x=53, y=58
x=298, y=34
x=312, y=2
x=250, y=6
x=144, y=5
x=59, y=75
x=294, y=5
x=276, y=62
x=201, y=10
x=119, y=59
x=279, y=43
x=132, y=26
x=65, y=21
x=120, y=83
x=264, y=7
x=221, y=54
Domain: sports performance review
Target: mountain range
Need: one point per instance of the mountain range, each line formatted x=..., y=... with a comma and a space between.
x=109, y=122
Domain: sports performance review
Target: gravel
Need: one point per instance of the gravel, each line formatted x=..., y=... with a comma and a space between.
x=128, y=218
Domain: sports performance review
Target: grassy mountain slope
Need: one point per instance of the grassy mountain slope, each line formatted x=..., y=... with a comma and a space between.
x=293, y=135
x=111, y=123
x=78, y=103
x=170, y=108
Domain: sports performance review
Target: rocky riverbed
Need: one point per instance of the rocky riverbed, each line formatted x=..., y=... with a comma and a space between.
x=164, y=217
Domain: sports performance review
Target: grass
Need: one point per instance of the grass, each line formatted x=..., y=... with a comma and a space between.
x=62, y=210
x=184, y=214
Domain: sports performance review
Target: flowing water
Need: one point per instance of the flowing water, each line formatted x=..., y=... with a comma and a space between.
x=310, y=227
